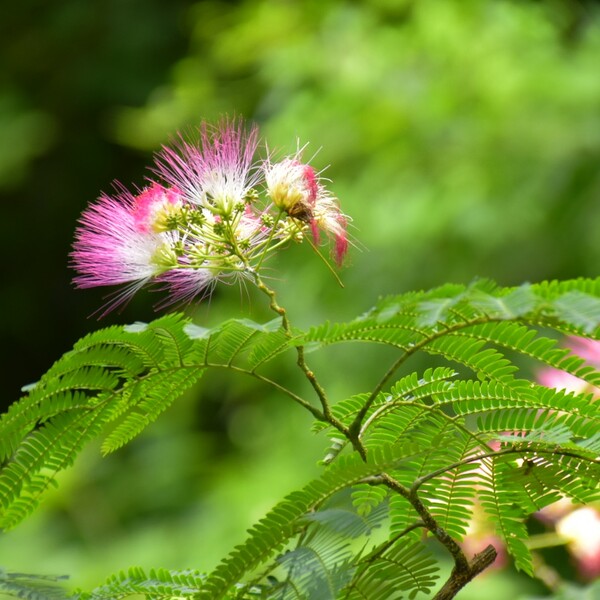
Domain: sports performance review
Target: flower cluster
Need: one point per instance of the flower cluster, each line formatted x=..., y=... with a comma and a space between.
x=211, y=213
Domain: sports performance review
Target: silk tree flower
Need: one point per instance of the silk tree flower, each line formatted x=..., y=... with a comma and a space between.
x=581, y=529
x=296, y=189
x=218, y=173
x=292, y=185
x=204, y=221
x=119, y=241
x=587, y=349
x=157, y=209
x=185, y=283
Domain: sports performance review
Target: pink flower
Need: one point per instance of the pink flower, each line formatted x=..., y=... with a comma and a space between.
x=296, y=188
x=552, y=513
x=205, y=222
x=154, y=206
x=292, y=185
x=218, y=173
x=116, y=243
x=587, y=349
x=328, y=217
x=581, y=529
x=186, y=284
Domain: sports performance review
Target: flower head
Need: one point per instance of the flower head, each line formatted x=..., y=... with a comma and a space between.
x=116, y=244
x=296, y=188
x=218, y=172
x=292, y=185
x=204, y=221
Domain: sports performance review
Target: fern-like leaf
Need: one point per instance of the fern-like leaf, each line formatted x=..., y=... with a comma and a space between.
x=284, y=521
x=498, y=503
x=157, y=584
x=403, y=571
x=128, y=375
x=31, y=587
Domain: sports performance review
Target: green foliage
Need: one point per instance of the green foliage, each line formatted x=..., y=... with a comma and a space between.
x=157, y=584
x=31, y=587
x=289, y=517
x=122, y=377
x=407, y=567
x=419, y=452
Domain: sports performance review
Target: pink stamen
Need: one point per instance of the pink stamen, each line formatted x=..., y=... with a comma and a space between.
x=312, y=184
x=314, y=227
x=341, y=248
x=148, y=201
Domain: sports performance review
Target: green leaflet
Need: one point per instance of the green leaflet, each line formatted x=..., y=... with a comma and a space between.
x=321, y=565
x=42, y=455
x=146, y=401
x=497, y=501
x=407, y=567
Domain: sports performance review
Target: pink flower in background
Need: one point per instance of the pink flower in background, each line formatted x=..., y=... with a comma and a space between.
x=551, y=514
x=589, y=350
x=582, y=530
x=580, y=527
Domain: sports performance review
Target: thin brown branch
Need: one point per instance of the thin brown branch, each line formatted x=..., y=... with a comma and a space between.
x=464, y=570
x=430, y=523
x=325, y=414
x=463, y=574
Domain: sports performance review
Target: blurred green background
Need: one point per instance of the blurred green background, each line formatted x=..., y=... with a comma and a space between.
x=462, y=136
